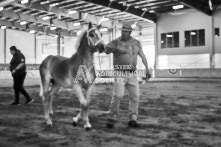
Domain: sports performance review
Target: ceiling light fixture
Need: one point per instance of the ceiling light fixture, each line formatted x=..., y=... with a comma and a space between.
x=103, y=19
x=169, y=35
x=1, y=8
x=72, y=11
x=193, y=33
x=151, y=11
x=45, y=2
x=210, y=5
x=3, y=27
x=24, y=1
x=76, y=24
x=134, y=25
x=103, y=29
x=53, y=28
x=144, y=9
x=46, y=18
x=32, y=31
x=54, y=4
x=178, y=7
x=23, y=22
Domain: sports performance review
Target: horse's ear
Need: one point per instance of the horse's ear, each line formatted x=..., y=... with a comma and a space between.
x=98, y=27
x=90, y=26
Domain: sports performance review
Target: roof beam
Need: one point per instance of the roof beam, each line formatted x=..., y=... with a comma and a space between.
x=112, y=4
x=65, y=12
x=8, y=2
x=45, y=30
x=35, y=19
x=200, y=6
x=29, y=18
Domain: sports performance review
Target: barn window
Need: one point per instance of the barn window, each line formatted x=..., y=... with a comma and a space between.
x=195, y=38
x=216, y=32
x=170, y=40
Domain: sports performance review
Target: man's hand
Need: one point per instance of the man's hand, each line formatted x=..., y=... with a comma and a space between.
x=13, y=71
x=148, y=75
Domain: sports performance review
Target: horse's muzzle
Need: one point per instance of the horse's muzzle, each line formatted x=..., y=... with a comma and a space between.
x=100, y=47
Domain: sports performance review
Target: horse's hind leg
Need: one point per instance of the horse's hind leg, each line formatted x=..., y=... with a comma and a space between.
x=53, y=90
x=46, y=100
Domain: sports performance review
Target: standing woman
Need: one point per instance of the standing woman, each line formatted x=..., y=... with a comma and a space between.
x=18, y=70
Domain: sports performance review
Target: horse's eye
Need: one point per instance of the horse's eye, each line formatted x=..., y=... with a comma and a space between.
x=91, y=35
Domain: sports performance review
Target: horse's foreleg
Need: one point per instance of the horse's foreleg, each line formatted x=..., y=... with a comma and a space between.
x=77, y=119
x=88, y=99
x=84, y=107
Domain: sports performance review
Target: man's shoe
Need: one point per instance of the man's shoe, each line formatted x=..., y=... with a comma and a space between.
x=29, y=101
x=133, y=124
x=15, y=104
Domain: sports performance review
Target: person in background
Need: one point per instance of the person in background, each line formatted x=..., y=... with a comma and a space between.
x=125, y=49
x=18, y=71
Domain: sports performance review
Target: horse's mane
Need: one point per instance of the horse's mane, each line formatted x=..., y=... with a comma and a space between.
x=79, y=39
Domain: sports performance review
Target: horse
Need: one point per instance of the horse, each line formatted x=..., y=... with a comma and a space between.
x=76, y=72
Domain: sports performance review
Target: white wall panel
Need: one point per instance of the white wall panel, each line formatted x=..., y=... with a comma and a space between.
x=191, y=20
x=23, y=41
x=217, y=24
x=183, y=61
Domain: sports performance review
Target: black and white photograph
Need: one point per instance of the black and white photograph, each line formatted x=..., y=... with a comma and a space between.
x=110, y=73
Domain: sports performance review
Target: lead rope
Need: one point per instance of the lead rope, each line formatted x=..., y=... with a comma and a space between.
x=99, y=59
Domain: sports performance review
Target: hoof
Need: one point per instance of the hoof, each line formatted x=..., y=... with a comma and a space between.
x=74, y=124
x=49, y=125
x=88, y=129
x=133, y=124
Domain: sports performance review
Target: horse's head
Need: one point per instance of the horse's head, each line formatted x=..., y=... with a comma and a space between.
x=95, y=38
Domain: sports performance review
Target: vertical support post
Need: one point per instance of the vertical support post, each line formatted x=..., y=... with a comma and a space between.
x=212, y=43
x=5, y=46
x=59, y=43
x=156, y=41
x=211, y=40
x=63, y=46
x=35, y=48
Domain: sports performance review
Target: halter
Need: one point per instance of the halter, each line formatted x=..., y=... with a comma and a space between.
x=90, y=41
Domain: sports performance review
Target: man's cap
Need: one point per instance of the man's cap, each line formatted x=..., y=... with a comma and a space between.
x=126, y=27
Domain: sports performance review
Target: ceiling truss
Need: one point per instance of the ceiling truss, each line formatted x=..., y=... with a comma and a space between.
x=143, y=12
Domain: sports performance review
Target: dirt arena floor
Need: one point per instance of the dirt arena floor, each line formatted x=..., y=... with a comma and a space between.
x=172, y=114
